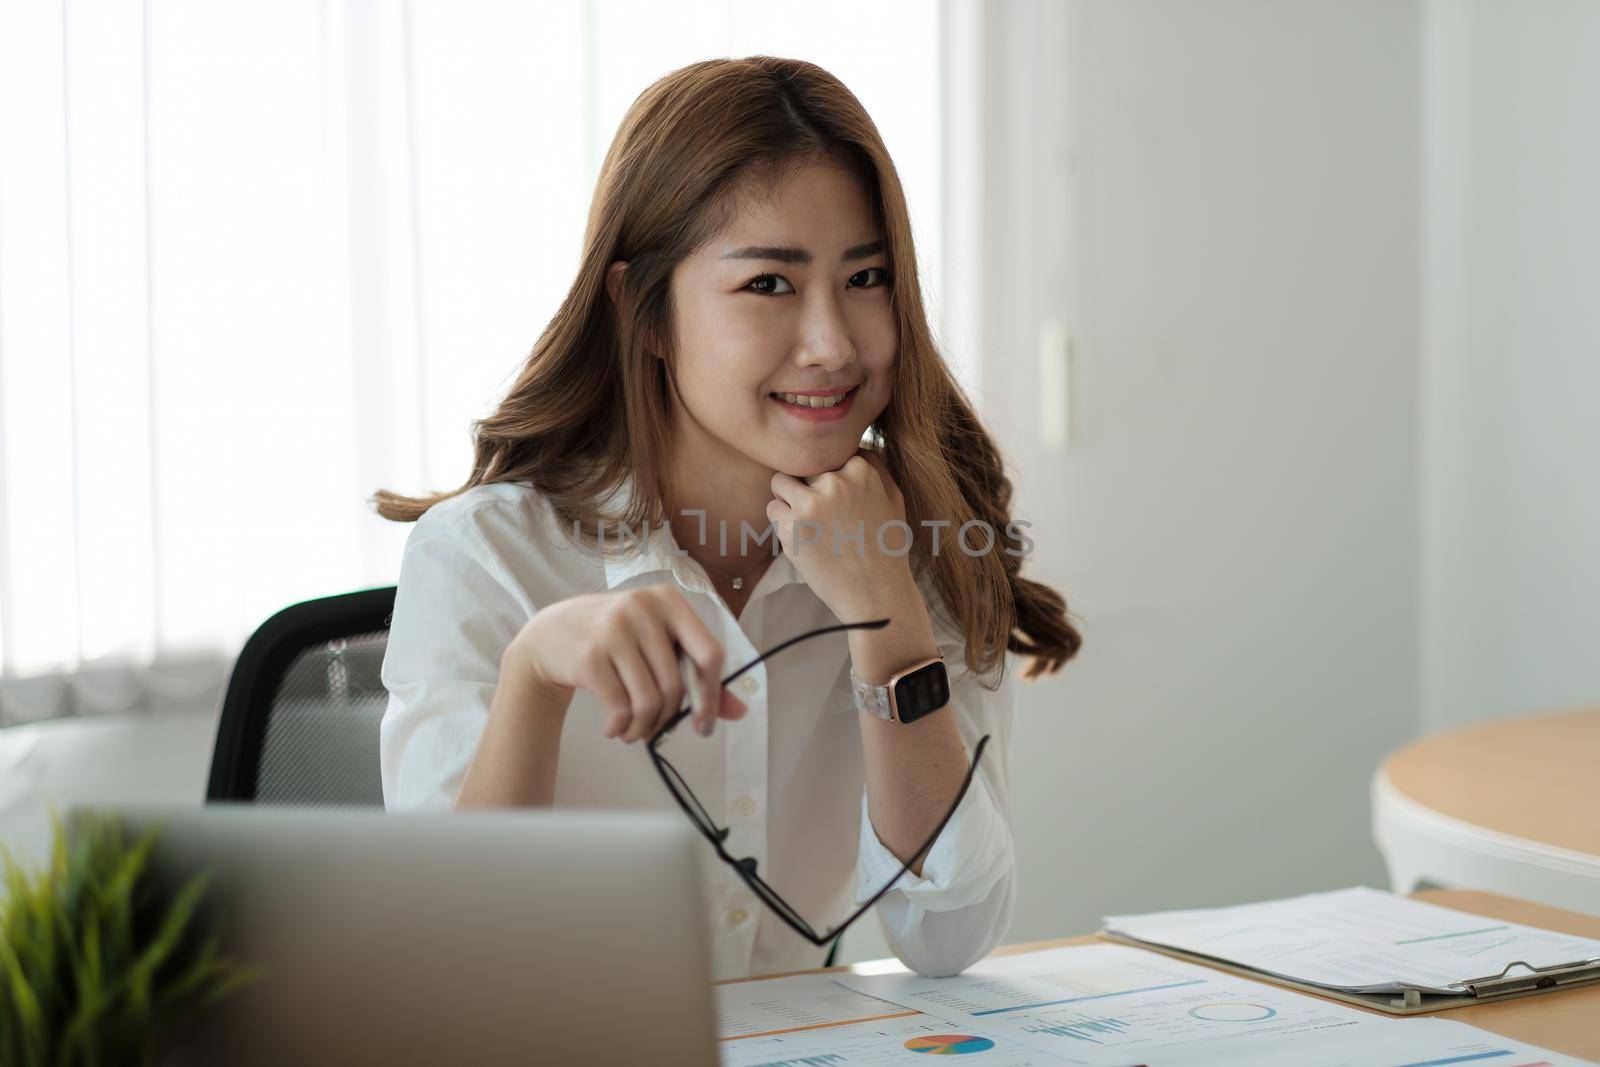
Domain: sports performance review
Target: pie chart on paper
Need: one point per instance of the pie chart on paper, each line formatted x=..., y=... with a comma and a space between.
x=950, y=1044
x=1232, y=1011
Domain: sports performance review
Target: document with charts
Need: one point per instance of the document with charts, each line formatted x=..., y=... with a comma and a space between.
x=1114, y=1005
x=813, y=1021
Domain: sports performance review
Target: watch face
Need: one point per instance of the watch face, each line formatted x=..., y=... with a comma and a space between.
x=922, y=692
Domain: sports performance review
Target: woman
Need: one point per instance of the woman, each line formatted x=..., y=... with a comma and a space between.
x=746, y=310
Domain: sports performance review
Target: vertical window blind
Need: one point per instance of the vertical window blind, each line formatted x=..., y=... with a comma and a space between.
x=257, y=260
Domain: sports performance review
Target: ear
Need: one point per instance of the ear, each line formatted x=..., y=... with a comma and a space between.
x=614, y=275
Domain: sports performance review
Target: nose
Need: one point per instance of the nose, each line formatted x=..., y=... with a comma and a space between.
x=825, y=334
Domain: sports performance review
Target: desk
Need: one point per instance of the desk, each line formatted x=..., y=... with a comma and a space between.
x=1567, y=1020
x=1508, y=806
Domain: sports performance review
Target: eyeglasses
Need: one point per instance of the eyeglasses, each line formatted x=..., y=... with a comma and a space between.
x=746, y=866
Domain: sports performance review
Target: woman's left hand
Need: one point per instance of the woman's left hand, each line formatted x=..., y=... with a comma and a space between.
x=846, y=533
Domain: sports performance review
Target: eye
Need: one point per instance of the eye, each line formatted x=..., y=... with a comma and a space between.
x=882, y=271
x=765, y=278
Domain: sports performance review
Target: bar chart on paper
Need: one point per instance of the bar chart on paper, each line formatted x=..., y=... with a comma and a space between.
x=1084, y=1028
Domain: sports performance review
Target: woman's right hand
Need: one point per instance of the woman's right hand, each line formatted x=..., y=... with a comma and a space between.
x=623, y=648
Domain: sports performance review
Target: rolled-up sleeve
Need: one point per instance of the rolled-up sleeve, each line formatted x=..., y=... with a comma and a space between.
x=960, y=908
x=455, y=611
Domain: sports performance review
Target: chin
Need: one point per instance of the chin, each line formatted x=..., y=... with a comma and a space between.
x=812, y=462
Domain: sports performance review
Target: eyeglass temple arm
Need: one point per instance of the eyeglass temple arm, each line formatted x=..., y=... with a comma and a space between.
x=679, y=715
x=870, y=624
x=822, y=939
x=926, y=845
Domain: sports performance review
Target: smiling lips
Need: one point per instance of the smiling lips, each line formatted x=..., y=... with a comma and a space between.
x=817, y=406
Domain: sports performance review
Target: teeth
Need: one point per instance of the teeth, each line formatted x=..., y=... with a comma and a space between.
x=813, y=401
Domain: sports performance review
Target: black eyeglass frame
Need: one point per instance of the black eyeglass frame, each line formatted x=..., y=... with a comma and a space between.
x=746, y=866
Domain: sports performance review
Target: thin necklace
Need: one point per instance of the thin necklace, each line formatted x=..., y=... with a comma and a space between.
x=738, y=582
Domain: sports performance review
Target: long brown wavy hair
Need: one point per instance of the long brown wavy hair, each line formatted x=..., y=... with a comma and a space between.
x=590, y=407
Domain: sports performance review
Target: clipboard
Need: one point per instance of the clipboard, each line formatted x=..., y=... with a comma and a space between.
x=1408, y=1000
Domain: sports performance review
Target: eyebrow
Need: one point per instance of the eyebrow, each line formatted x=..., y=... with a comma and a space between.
x=800, y=255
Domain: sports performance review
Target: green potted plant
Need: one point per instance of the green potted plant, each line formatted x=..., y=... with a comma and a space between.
x=97, y=964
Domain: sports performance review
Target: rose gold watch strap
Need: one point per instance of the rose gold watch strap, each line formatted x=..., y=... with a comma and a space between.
x=878, y=700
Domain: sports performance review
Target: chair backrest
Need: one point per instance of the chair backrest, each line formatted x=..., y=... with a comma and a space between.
x=300, y=718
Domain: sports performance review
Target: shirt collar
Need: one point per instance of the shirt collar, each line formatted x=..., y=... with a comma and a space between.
x=660, y=553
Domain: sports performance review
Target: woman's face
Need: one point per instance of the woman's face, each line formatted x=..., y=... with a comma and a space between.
x=792, y=298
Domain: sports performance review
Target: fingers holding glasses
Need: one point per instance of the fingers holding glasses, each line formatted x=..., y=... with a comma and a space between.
x=653, y=623
x=705, y=660
x=623, y=647
x=656, y=646
x=662, y=630
x=644, y=695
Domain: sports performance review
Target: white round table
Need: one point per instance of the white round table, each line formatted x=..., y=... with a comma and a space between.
x=1510, y=807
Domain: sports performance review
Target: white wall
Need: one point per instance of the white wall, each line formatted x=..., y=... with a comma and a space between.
x=1512, y=359
x=1221, y=202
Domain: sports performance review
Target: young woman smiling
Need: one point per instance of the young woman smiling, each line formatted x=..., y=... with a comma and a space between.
x=745, y=313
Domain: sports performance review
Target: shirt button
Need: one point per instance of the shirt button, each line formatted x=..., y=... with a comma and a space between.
x=745, y=806
x=737, y=916
x=749, y=684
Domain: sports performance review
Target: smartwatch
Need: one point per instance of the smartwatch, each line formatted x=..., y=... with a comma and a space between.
x=919, y=690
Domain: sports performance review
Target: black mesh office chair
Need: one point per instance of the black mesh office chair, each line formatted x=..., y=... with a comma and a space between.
x=301, y=714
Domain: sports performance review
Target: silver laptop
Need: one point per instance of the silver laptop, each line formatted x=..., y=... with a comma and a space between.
x=481, y=937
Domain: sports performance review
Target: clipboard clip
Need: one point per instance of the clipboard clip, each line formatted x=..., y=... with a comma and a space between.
x=1547, y=977
x=1412, y=998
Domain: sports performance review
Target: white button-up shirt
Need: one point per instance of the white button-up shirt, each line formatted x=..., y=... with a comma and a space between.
x=787, y=779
